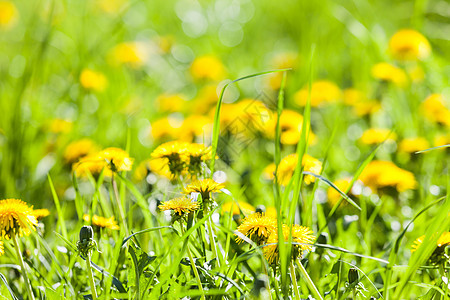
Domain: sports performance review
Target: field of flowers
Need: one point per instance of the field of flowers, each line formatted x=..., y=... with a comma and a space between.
x=241, y=149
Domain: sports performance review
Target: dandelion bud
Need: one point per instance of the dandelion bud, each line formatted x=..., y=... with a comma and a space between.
x=86, y=233
x=353, y=276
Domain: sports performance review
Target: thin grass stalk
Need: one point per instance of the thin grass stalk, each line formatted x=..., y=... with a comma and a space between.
x=91, y=277
x=119, y=204
x=22, y=266
x=312, y=287
x=294, y=281
x=212, y=241
x=194, y=268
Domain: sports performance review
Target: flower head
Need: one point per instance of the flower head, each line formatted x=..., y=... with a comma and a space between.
x=8, y=14
x=287, y=167
x=204, y=187
x=41, y=213
x=377, y=135
x=174, y=154
x=133, y=54
x=236, y=209
x=102, y=222
x=180, y=206
x=322, y=92
x=334, y=196
x=408, y=44
x=116, y=159
x=207, y=67
x=92, y=80
x=257, y=227
x=301, y=236
x=382, y=174
x=389, y=73
x=441, y=244
x=410, y=145
x=195, y=155
x=78, y=149
x=16, y=217
x=435, y=110
x=291, y=123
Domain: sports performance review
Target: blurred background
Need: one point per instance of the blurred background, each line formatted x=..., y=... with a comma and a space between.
x=122, y=72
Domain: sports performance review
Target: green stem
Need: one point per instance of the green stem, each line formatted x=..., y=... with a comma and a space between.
x=22, y=266
x=119, y=204
x=268, y=281
x=212, y=241
x=294, y=281
x=312, y=288
x=91, y=277
x=194, y=268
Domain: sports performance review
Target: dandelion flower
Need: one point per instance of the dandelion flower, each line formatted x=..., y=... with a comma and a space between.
x=117, y=159
x=8, y=14
x=287, y=166
x=133, y=54
x=41, y=213
x=257, y=227
x=291, y=123
x=174, y=155
x=377, y=135
x=166, y=128
x=382, y=174
x=171, y=102
x=236, y=209
x=59, y=126
x=435, y=110
x=102, y=222
x=389, y=73
x=322, y=92
x=90, y=164
x=408, y=44
x=207, y=67
x=301, y=235
x=410, y=145
x=180, y=206
x=195, y=126
x=92, y=80
x=196, y=154
x=16, y=217
x=334, y=196
x=204, y=187
x=78, y=149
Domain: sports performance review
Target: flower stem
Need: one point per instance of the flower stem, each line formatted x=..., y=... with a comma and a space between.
x=194, y=268
x=22, y=266
x=313, y=289
x=212, y=241
x=294, y=281
x=91, y=277
x=119, y=205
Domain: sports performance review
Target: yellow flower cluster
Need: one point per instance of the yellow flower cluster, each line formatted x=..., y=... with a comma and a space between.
x=389, y=73
x=287, y=167
x=435, y=110
x=322, y=92
x=262, y=229
x=207, y=67
x=411, y=145
x=381, y=174
x=111, y=160
x=236, y=209
x=93, y=81
x=408, y=44
x=8, y=14
x=16, y=218
x=361, y=105
x=183, y=157
x=102, y=222
x=193, y=126
x=78, y=149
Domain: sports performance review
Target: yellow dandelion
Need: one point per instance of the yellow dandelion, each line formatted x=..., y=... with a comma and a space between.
x=59, y=126
x=8, y=14
x=442, y=242
x=441, y=140
x=257, y=227
x=116, y=159
x=92, y=80
x=377, y=135
x=90, y=164
x=333, y=195
x=78, y=149
x=204, y=187
x=180, y=206
x=102, y=222
x=196, y=154
x=195, y=126
x=16, y=217
x=166, y=128
x=410, y=145
x=408, y=44
x=367, y=107
x=301, y=236
x=236, y=209
x=133, y=54
x=435, y=110
x=322, y=92
x=291, y=123
x=205, y=100
x=381, y=174
x=207, y=67
x=174, y=154
x=287, y=167
x=389, y=73
x=41, y=213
